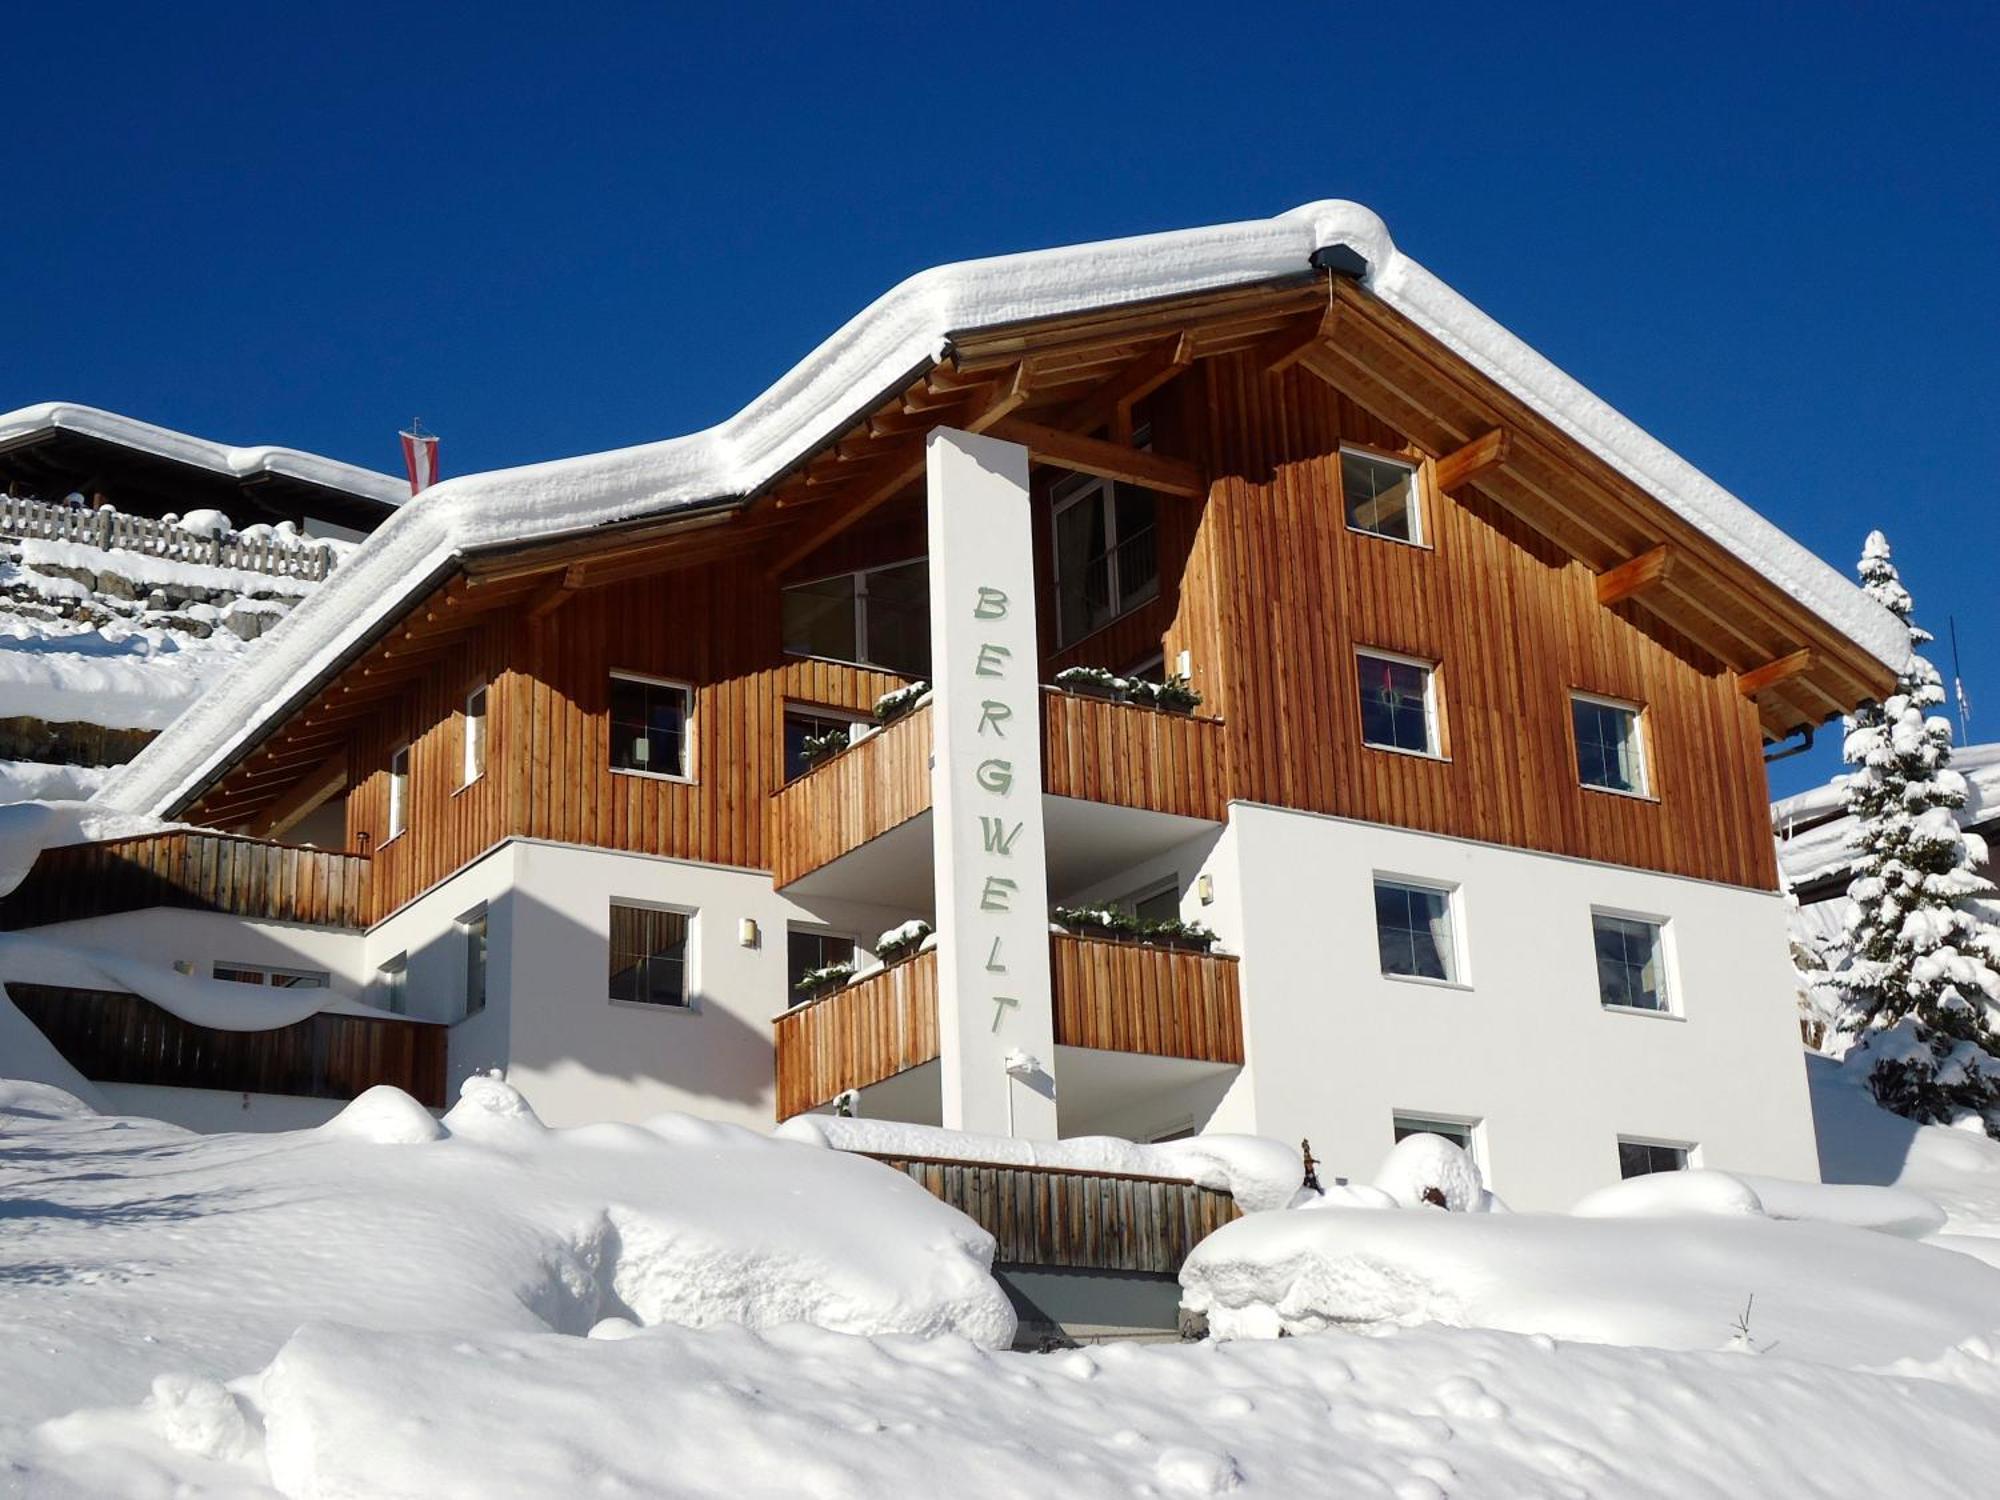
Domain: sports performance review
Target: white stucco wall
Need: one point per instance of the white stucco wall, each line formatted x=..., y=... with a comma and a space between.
x=1335, y=1049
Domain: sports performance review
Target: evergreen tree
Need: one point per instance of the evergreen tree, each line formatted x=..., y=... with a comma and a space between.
x=1921, y=975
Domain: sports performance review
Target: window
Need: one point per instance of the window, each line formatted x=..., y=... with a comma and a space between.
x=1160, y=902
x=1463, y=1134
x=802, y=724
x=1413, y=931
x=879, y=617
x=1107, y=552
x=649, y=723
x=475, y=736
x=275, y=978
x=1643, y=1158
x=1631, y=962
x=399, y=793
x=648, y=955
x=394, y=977
x=474, y=928
x=1151, y=668
x=1609, y=753
x=1398, y=703
x=1381, y=495
x=806, y=950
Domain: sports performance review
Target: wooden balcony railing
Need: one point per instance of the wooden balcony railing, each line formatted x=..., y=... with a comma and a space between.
x=869, y=1031
x=860, y=794
x=113, y=1037
x=1117, y=997
x=1054, y=1216
x=1138, y=997
x=196, y=871
x=1134, y=757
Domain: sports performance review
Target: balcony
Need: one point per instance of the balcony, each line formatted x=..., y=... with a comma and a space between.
x=193, y=871
x=1120, y=783
x=1116, y=1005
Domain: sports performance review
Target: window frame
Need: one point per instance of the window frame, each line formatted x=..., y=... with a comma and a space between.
x=1460, y=977
x=1168, y=884
x=472, y=737
x=818, y=930
x=689, y=991
x=392, y=978
x=479, y=919
x=1419, y=536
x=855, y=720
x=1642, y=749
x=1433, y=702
x=1422, y=1120
x=266, y=973
x=1690, y=1153
x=686, y=775
x=1670, y=986
x=396, y=815
x=860, y=606
x=1105, y=493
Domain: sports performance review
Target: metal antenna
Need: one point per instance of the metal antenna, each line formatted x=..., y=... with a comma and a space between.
x=1958, y=686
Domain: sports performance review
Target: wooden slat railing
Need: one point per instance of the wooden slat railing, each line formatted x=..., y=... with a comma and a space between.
x=859, y=794
x=1138, y=997
x=1051, y=1216
x=196, y=871
x=1120, y=753
x=37, y=520
x=113, y=1037
x=869, y=1031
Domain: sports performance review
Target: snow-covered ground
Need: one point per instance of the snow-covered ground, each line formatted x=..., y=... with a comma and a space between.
x=388, y=1307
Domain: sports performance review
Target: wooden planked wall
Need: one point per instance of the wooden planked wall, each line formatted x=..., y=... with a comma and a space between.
x=1278, y=594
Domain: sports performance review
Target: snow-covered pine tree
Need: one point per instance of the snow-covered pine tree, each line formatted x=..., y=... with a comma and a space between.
x=1921, y=976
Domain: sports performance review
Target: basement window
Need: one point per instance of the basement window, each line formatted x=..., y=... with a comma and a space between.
x=1398, y=703
x=275, y=978
x=876, y=617
x=1610, y=749
x=1463, y=1134
x=1107, y=557
x=475, y=736
x=649, y=726
x=1381, y=495
x=1643, y=1158
x=648, y=955
x=399, y=793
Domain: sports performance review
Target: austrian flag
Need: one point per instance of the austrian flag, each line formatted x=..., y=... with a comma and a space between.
x=420, y=457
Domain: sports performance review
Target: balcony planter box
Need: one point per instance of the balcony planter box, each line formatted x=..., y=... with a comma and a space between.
x=899, y=944
x=817, y=749
x=1092, y=682
x=815, y=984
x=1173, y=696
x=1198, y=941
x=897, y=704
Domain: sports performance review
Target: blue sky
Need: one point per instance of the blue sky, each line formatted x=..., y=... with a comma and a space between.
x=1768, y=233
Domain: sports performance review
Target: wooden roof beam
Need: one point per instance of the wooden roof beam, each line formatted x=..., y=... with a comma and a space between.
x=1464, y=464
x=1279, y=351
x=1083, y=455
x=1635, y=576
x=1110, y=405
x=311, y=792
x=1780, y=669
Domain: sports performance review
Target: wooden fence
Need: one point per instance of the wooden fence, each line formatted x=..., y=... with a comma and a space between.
x=869, y=1031
x=1139, y=997
x=1052, y=1216
x=37, y=520
x=194, y=871
x=113, y=1037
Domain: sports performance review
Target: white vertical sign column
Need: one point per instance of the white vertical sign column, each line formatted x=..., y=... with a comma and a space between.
x=996, y=1020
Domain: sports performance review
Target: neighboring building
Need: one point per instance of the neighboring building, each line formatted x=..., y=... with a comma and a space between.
x=1473, y=799
x=58, y=449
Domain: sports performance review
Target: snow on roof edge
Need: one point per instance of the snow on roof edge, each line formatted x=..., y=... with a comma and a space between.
x=201, y=453
x=902, y=330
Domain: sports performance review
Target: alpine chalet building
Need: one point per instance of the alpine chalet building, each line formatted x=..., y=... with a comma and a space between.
x=1417, y=784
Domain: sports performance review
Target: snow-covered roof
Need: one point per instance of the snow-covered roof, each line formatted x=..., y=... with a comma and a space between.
x=887, y=343
x=1812, y=826
x=200, y=453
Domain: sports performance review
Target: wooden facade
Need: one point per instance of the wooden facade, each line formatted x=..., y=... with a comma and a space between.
x=1140, y=997
x=113, y=1037
x=191, y=871
x=873, y=1029
x=1052, y=1216
x=1542, y=572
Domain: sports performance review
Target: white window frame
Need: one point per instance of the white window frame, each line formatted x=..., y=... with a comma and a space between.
x=686, y=775
x=1417, y=537
x=392, y=976
x=1641, y=748
x=689, y=974
x=482, y=916
x=858, y=724
x=1474, y=1127
x=1690, y=1151
x=267, y=972
x=1433, y=721
x=472, y=737
x=860, y=577
x=399, y=792
x=1103, y=491
x=1670, y=979
x=1454, y=913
